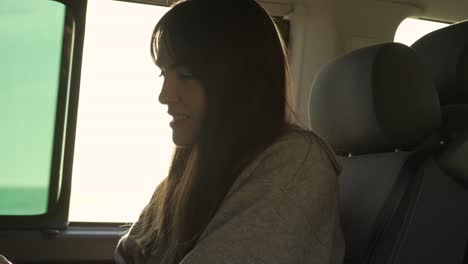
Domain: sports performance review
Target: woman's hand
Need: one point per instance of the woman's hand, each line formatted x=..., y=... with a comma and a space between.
x=3, y=260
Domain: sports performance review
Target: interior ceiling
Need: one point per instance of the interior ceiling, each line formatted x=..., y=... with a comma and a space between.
x=444, y=10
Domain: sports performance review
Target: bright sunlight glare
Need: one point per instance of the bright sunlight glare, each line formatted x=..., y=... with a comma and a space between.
x=411, y=29
x=123, y=140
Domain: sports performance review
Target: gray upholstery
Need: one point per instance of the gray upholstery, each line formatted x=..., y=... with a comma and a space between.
x=454, y=159
x=437, y=230
x=364, y=186
x=431, y=226
x=374, y=99
x=369, y=103
x=454, y=121
x=445, y=54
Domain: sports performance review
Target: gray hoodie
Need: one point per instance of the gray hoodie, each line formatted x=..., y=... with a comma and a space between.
x=283, y=208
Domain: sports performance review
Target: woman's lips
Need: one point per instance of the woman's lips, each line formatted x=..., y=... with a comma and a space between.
x=177, y=119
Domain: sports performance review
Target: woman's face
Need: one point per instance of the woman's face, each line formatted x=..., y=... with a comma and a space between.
x=185, y=99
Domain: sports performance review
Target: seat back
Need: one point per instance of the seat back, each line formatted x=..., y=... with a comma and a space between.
x=375, y=106
x=432, y=224
x=436, y=229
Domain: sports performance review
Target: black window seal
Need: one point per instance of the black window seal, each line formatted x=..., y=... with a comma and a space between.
x=56, y=216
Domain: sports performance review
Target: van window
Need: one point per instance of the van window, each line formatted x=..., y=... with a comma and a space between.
x=123, y=142
x=30, y=51
x=412, y=29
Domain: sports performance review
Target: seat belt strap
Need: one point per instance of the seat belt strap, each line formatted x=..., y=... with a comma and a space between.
x=391, y=204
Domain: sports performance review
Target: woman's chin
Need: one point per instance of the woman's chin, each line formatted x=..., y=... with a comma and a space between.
x=182, y=141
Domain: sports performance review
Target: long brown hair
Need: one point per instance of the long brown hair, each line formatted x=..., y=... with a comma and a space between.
x=234, y=49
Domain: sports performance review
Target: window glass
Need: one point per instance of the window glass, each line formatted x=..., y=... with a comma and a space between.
x=123, y=140
x=30, y=52
x=411, y=29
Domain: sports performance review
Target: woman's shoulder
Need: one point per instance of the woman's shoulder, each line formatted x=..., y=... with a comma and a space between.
x=297, y=151
x=298, y=143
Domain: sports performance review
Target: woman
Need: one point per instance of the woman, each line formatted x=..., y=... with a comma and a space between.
x=244, y=186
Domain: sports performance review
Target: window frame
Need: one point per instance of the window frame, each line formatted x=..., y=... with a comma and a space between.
x=64, y=137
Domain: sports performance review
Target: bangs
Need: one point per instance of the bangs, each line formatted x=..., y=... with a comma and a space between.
x=169, y=34
x=183, y=33
x=155, y=38
x=160, y=39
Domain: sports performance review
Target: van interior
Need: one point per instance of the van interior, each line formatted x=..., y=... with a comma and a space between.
x=385, y=82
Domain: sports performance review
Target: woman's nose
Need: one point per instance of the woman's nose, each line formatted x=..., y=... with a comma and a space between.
x=168, y=93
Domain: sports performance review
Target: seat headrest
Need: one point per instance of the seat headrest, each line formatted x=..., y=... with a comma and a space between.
x=453, y=159
x=374, y=99
x=445, y=54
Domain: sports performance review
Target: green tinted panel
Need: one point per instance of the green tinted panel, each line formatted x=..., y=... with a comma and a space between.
x=30, y=52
